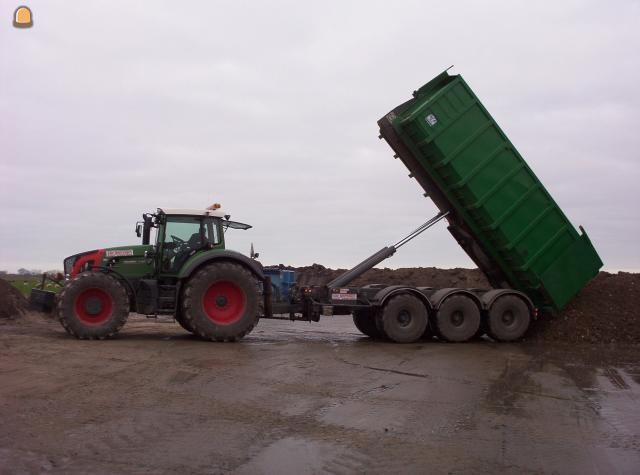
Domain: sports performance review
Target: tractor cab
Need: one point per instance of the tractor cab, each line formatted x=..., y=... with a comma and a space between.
x=182, y=233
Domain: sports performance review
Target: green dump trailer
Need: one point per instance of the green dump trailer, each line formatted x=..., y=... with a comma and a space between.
x=499, y=211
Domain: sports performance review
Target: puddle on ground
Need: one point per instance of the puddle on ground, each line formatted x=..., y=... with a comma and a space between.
x=303, y=457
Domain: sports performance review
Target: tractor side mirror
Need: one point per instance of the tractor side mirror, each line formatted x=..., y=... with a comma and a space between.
x=139, y=229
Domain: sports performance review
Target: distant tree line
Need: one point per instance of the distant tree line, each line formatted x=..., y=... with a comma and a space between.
x=23, y=271
x=30, y=272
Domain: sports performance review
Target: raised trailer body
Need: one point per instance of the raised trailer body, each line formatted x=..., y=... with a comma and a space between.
x=500, y=212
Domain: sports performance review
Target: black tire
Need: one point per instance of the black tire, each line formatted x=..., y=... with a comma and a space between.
x=220, y=302
x=457, y=319
x=93, y=306
x=404, y=318
x=509, y=318
x=182, y=322
x=365, y=322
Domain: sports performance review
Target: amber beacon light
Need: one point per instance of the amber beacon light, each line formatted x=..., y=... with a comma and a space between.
x=22, y=17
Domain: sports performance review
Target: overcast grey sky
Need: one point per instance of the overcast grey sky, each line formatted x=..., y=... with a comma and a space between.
x=109, y=109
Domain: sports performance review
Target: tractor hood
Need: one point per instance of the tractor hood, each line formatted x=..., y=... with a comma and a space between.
x=111, y=256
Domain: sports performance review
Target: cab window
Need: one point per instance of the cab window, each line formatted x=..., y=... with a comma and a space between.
x=184, y=236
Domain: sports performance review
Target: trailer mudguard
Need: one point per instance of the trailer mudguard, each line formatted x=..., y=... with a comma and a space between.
x=440, y=295
x=203, y=258
x=489, y=297
x=386, y=293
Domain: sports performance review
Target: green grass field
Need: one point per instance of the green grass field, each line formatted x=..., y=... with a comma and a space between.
x=26, y=283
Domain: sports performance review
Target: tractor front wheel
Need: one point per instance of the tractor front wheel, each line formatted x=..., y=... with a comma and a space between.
x=93, y=306
x=220, y=302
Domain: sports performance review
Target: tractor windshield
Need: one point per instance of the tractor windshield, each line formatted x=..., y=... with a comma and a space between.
x=184, y=235
x=193, y=230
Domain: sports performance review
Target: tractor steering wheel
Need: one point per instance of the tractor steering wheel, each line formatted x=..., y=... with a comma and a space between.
x=176, y=246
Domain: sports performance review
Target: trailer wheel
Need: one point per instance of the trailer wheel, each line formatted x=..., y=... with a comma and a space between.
x=93, y=306
x=457, y=318
x=404, y=318
x=509, y=318
x=220, y=302
x=365, y=322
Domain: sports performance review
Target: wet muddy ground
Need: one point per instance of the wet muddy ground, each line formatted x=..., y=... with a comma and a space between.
x=311, y=398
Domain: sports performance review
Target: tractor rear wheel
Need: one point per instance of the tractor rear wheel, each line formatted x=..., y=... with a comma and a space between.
x=509, y=318
x=365, y=321
x=182, y=321
x=457, y=318
x=220, y=302
x=404, y=318
x=93, y=306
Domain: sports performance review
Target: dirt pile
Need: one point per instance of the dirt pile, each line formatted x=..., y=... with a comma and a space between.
x=317, y=274
x=607, y=310
x=12, y=302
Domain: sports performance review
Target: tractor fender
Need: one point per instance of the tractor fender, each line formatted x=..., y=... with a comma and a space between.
x=386, y=293
x=214, y=256
x=489, y=297
x=440, y=295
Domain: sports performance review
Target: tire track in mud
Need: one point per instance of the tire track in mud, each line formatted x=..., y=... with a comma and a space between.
x=336, y=355
x=503, y=393
x=127, y=434
x=615, y=378
x=348, y=463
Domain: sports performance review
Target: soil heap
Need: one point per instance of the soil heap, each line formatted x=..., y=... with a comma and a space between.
x=414, y=276
x=607, y=310
x=12, y=302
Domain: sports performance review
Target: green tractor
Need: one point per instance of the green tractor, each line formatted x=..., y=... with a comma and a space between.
x=187, y=273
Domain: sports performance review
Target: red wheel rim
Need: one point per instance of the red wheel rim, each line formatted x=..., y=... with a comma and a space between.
x=93, y=306
x=224, y=302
